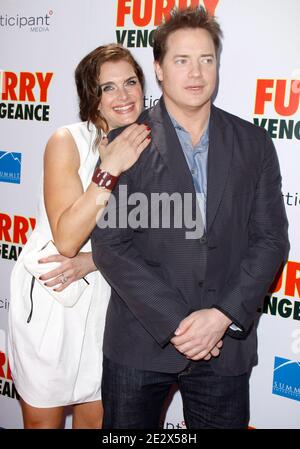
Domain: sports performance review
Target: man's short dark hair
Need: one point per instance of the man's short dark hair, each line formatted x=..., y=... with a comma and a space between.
x=182, y=19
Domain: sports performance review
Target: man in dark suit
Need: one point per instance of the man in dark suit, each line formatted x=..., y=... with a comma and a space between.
x=183, y=306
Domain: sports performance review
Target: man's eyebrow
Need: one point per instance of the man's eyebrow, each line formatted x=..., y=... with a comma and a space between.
x=180, y=56
x=187, y=56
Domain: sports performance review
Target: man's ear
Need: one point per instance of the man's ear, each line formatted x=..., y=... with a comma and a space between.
x=158, y=71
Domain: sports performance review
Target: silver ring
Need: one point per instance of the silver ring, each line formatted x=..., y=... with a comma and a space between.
x=63, y=278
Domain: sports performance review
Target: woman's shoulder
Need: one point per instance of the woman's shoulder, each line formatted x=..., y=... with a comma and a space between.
x=78, y=126
x=83, y=133
x=83, y=128
x=76, y=138
x=61, y=137
x=63, y=145
x=72, y=135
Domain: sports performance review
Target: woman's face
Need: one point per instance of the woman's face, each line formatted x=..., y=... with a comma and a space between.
x=122, y=97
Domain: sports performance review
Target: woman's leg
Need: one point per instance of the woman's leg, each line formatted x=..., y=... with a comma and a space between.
x=88, y=415
x=41, y=418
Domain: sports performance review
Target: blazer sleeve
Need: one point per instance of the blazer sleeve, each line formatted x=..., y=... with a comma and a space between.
x=267, y=250
x=157, y=306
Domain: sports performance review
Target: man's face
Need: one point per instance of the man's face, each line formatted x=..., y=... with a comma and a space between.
x=188, y=72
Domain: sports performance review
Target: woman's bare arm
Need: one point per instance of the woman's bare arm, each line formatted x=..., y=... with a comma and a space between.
x=71, y=211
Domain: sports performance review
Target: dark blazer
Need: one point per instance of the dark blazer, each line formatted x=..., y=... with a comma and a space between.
x=158, y=276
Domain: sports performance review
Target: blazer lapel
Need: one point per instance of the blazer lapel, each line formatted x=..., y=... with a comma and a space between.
x=167, y=143
x=219, y=155
x=219, y=159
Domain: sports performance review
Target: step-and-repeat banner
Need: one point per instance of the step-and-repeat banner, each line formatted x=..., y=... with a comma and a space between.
x=41, y=43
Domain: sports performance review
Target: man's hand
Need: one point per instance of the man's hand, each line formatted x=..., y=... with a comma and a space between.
x=199, y=336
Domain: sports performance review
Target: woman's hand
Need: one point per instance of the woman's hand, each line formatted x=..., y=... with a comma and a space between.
x=125, y=149
x=73, y=214
x=70, y=270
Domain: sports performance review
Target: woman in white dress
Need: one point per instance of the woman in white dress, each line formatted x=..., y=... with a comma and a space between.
x=55, y=352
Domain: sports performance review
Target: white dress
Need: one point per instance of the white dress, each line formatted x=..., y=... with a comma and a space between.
x=56, y=358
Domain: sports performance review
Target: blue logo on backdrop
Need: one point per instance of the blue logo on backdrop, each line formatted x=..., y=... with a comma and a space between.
x=10, y=167
x=286, y=381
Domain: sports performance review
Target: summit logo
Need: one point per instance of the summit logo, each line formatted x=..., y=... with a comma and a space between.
x=10, y=167
x=286, y=380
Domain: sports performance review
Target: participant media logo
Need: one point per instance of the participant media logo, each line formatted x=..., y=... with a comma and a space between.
x=21, y=22
x=150, y=101
x=173, y=425
x=136, y=19
x=286, y=380
x=291, y=199
x=10, y=167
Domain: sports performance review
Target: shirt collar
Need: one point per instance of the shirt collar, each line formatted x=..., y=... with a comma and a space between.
x=204, y=140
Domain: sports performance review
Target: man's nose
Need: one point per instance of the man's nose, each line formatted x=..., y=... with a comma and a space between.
x=196, y=69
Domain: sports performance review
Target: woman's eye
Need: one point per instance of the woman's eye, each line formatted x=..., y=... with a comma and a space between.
x=132, y=82
x=107, y=88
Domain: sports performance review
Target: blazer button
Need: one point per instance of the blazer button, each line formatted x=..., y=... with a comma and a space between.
x=203, y=239
x=200, y=284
